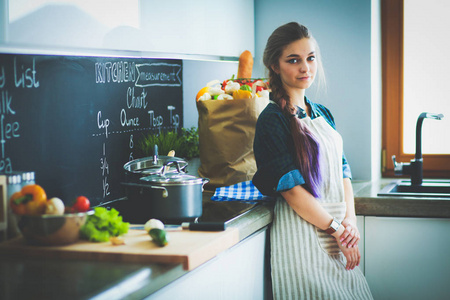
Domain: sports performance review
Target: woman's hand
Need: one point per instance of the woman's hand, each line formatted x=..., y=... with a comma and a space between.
x=352, y=255
x=350, y=237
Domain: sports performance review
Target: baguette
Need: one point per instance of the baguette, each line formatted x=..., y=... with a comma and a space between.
x=245, y=65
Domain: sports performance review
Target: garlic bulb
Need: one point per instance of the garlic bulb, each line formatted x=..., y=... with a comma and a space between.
x=153, y=223
x=54, y=206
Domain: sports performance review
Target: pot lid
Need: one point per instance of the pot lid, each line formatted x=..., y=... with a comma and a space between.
x=172, y=179
x=149, y=165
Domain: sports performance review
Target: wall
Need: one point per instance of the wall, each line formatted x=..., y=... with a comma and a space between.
x=201, y=26
x=176, y=26
x=343, y=31
x=376, y=90
x=348, y=40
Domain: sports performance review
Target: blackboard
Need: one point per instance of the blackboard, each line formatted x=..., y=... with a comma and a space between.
x=75, y=120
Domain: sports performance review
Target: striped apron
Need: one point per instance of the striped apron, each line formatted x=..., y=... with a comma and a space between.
x=307, y=262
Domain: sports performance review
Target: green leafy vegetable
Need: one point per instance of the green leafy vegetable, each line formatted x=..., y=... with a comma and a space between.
x=246, y=88
x=185, y=143
x=102, y=225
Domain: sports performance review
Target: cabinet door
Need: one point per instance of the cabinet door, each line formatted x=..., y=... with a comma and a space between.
x=238, y=273
x=361, y=244
x=407, y=258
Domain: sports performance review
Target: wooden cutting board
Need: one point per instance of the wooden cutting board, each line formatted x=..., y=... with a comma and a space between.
x=190, y=248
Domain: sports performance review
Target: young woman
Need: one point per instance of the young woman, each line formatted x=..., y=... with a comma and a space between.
x=299, y=154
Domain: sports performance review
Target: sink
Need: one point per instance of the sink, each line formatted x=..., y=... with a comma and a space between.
x=429, y=188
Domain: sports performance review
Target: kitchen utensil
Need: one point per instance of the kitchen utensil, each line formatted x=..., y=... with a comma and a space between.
x=170, y=154
x=52, y=230
x=202, y=226
x=155, y=154
x=172, y=197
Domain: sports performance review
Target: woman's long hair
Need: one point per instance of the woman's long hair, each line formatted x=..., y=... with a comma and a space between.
x=306, y=145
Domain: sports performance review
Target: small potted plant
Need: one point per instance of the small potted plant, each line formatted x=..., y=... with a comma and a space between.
x=184, y=143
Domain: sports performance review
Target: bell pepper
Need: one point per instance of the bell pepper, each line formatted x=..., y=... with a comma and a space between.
x=30, y=200
x=241, y=94
x=202, y=92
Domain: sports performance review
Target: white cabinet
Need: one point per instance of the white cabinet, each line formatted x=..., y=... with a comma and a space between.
x=361, y=244
x=407, y=258
x=238, y=273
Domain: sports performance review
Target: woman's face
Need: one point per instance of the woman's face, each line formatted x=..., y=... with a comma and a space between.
x=297, y=65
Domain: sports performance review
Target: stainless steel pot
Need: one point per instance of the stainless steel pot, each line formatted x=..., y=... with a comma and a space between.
x=171, y=196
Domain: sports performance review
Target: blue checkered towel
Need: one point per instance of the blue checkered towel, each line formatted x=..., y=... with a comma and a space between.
x=242, y=191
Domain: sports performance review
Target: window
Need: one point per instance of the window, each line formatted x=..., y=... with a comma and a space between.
x=400, y=112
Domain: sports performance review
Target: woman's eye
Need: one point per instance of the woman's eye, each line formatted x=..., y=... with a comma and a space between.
x=311, y=58
x=293, y=61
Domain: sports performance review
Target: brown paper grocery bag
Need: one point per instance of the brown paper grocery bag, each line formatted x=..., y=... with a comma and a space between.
x=226, y=131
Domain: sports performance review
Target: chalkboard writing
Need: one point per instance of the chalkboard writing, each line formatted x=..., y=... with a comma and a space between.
x=75, y=120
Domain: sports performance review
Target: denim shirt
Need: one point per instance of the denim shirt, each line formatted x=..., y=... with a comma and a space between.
x=274, y=149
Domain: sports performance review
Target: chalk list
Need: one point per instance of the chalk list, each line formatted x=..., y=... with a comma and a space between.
x=76, y=120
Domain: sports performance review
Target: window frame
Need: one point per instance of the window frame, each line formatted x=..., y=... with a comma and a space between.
x=434, y=165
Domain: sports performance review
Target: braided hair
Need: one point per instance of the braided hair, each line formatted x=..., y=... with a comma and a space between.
x=305, y=144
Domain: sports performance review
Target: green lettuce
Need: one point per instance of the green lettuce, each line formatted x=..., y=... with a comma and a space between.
x=102, y=225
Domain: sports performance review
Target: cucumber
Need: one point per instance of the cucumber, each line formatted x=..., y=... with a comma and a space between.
x=159, y=237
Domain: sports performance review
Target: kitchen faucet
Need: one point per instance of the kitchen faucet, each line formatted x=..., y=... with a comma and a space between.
x=415, y=167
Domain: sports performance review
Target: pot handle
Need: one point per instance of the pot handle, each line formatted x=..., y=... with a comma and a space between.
x=165, y=193
x=205, y=181
x=171, y=162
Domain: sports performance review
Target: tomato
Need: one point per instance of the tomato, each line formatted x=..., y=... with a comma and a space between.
x=224, y=84
x=82, y=204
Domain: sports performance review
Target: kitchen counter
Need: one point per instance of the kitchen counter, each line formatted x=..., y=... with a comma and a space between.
x=73, y=279
x=47, y=278
x=367, y=203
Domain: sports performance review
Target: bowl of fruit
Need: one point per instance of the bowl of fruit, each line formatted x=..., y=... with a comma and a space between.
x=48, y=222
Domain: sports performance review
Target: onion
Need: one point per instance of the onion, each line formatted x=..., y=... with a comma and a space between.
x=153, y=223
x=54, y=206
